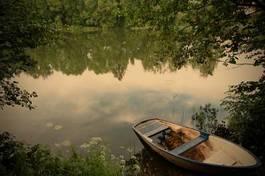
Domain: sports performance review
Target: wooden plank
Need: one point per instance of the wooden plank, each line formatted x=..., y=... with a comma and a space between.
x=155, y=131
x=150, y=127
x=189, y=145
x=144, y=125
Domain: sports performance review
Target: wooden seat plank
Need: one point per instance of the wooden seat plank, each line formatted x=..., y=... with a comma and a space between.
x=157, y=130
x=146, y=124
x=150, y=128
x=189, y=145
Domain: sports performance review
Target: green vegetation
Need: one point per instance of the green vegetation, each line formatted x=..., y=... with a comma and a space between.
x=245, y=103
x=209, y=29
x=244, y=124
x=190, y=31
x=197, y=32
x=20, y=28
x=17, y=158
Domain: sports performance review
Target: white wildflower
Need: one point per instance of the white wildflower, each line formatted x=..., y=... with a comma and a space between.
x=89, y=55
x=112, y=157
x=106, y=48
x=121, y=157
x=84, y=145
x=130, y=150
x=98, y=139
x=123, y=162
x=102, y=153
x=133, y=157
x=92, y=142
x=136, y=168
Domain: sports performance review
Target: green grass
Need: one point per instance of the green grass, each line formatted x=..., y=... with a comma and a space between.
x=18, y=159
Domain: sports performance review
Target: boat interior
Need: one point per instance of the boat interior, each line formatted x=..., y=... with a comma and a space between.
x=193, y=144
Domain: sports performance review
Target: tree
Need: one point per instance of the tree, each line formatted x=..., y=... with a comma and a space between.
x=20, y=28
x=245, y=103
x=209, y=29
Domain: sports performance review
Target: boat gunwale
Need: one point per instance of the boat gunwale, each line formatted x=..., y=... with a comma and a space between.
x=256, y=165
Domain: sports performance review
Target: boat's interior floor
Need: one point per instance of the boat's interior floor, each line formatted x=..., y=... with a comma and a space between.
x=172, y=140
x=175, y=138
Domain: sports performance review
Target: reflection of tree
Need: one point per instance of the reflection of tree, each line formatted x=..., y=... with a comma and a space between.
x=206, y=68
x=111, y=52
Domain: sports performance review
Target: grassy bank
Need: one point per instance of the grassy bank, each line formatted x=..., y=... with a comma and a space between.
x=17, y=158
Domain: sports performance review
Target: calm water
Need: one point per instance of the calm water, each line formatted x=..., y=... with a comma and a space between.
x=100, y=84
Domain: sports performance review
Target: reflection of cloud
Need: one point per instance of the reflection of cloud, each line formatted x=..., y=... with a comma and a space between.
x=190, y=103
x=128, y=118
x=100, y=105
x=185, y=81
x=85, y=145
x=49, y=125
x=132, y=106
x=53, y=126
x=65, y=143
x=109, y=115
x=57, y=145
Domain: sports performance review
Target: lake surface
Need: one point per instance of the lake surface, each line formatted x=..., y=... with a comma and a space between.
x=99, y=84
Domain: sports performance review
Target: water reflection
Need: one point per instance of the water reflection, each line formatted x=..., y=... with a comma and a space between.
x=111, y=52
x=100, y=84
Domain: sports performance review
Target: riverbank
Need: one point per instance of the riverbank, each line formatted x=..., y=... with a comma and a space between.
x=17, y=158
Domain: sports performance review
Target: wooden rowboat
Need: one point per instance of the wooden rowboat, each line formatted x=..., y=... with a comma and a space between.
x=194, y=150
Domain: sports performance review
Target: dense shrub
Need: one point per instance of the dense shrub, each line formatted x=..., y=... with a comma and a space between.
x=17, y=158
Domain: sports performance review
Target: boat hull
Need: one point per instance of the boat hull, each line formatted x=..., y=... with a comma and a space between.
x=193, y=165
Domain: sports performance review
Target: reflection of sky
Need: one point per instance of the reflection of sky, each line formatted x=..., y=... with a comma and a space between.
x=75, y=108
